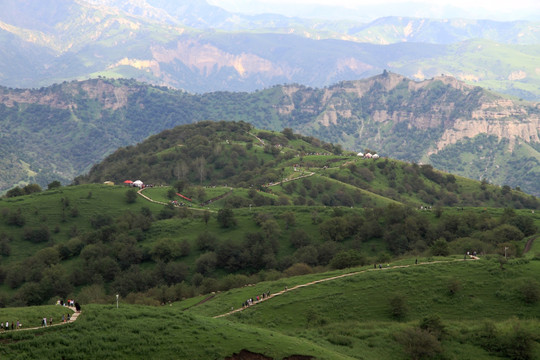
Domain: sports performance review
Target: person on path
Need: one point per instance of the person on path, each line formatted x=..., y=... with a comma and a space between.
x=416, y=261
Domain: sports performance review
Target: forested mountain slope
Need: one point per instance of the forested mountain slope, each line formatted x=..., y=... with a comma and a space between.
x=59, y=132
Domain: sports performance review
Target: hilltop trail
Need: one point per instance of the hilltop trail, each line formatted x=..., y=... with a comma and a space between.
x=73, y=317
x=334, y=278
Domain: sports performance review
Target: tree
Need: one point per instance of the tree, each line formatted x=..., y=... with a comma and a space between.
x=440, y=248
x=206, y=263
x=206, y=241
x=289, y=219
x=54, y=185
x=131, y=196
x=206, y=217
x=299, y=238
x=163, y=250
x=200, y=165
x=345, y=259
x=225, y=218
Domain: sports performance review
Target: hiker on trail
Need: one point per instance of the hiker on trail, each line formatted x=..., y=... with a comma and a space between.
x=7, y=325
x=44, y=321
x=63, y=318
x=374, y=266
x=416, y=261
x=18, y=324
x=68, y=317
x=380, y=266
x=50, y=322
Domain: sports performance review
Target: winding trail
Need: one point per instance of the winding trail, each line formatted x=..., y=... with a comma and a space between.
x=72, y=318
x=334, y=278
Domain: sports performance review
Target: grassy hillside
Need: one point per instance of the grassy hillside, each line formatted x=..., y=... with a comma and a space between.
x=485, y=317
x=261, y=205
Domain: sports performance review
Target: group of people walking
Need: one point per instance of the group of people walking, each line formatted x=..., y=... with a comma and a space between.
x=65, y=318
x=257, y=298
x=4, y=326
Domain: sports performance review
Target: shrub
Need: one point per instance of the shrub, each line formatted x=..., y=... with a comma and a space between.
x=345, y=259
x=433, y=324
x=131, y=196
x=454, y=285
x=298, y=269
x=418, y=343
x=440, y=248
x=225, y=218
x=398, y=307
x=529, y=291
x=37, y=235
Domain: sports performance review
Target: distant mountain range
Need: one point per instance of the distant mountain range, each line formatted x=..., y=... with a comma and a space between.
x=198, y=47
x=59, y=132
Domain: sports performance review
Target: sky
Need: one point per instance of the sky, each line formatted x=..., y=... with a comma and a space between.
x=371, y=9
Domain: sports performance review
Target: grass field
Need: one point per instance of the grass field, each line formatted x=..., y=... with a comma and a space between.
x=345, y=318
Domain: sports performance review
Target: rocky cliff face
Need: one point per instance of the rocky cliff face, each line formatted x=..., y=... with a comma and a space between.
x=440, y=118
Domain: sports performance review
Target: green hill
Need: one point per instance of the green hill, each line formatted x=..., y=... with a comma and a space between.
x=485, y=317
x=254, y=204
x=276, y=213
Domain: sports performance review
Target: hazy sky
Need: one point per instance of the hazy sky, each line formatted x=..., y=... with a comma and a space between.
x=478, y=9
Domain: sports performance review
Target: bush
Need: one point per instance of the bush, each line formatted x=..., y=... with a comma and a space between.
x=16, y=218
x=418, y=343
x=398, y=307
x=37, y=235
x=225, y=218
x=345, y=259
x=454, y=285
x=433, y=324
x=206, y=263
x=440, y=248
x=298, y=269
x=131, y=196
x=529, y=291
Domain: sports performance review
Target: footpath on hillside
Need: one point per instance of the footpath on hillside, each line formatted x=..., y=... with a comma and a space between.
x=286, y=290
x=72, y=318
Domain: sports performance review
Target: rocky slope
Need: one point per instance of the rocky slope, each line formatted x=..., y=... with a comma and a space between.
x=197, y=47
x=60, y=131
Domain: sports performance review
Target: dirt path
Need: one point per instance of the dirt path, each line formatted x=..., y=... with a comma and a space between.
x=73, y=317
x=162, y=203
x=528, y=245
x=334, y=278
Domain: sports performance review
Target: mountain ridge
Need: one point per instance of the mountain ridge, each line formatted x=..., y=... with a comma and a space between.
x=157, y=43
x=401, y=118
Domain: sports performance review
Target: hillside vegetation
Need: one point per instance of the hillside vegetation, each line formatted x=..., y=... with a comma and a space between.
x=463, y=309
x=361, y=258
x=254, y=205
x=461, y=129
